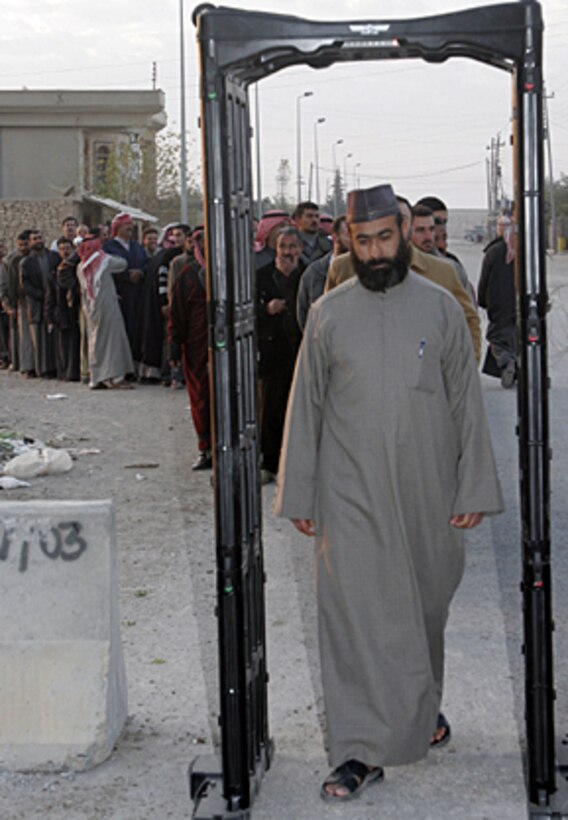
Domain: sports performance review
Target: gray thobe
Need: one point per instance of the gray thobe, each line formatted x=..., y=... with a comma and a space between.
x=385, y=439
x=109, y=348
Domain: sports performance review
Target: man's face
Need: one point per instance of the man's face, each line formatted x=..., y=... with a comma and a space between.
x=65, y=249
x=22, y=246
x=69, y=229
x=309, y=221
x=441, y=230
x=150, y=241
x=177, y=237
x=342, y=240
x=372, y=241
x=125, y=232
x=36, y=241
x=422, y=233
x=288, y=248
x=379, y=252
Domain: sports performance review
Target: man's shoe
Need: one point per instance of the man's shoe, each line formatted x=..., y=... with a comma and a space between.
x=204, y=461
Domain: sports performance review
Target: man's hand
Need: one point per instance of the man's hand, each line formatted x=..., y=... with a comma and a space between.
x=276, y=306
x=467, y=521
x=135, y=275
x=304, y=525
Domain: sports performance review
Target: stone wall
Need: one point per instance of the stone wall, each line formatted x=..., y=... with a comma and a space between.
x=17, y=215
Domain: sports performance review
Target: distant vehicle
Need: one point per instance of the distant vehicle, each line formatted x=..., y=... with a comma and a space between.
x=475, y=234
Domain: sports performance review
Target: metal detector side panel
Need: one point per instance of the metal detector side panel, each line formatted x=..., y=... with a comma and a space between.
x=238, y=47
x=231, y=300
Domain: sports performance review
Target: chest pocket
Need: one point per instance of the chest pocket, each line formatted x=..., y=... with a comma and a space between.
x=421, y=366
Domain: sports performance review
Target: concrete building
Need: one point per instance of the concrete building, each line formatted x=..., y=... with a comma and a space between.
x=55, y=144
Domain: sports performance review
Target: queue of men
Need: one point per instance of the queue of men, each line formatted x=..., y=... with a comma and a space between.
x=109, y=310
x=302, y=255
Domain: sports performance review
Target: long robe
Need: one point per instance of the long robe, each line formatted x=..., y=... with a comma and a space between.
x=109, y=349
x=385, y=439
x=131, y=294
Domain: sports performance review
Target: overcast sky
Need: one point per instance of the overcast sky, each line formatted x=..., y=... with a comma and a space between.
x=424, y=128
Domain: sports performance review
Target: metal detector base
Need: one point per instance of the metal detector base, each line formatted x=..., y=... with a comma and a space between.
x=206, y=787
x=557, y=808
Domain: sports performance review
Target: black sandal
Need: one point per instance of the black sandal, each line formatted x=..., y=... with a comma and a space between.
x=442, y=723
x=353, y=776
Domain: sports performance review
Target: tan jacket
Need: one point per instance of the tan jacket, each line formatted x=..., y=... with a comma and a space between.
x=436, y=270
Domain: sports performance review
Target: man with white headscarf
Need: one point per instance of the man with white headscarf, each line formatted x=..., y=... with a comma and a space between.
x=110, y=360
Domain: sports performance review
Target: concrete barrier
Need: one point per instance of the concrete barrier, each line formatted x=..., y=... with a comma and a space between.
x=62, y=681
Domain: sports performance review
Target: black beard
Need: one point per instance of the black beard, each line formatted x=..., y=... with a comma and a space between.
x=385, y=272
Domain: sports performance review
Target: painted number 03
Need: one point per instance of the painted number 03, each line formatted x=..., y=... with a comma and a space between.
x=64, y=541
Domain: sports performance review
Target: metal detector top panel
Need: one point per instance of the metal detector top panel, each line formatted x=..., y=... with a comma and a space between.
x=252, y=45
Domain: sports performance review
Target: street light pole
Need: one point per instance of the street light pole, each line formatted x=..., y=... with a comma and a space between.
x=316, y=157
x=356, y=177
x=299, y=143
x=336, y=182
x=347, y=156
x=183, y=156
x=257, y=134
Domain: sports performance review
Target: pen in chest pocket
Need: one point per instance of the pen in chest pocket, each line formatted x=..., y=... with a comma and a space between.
x=421, y=348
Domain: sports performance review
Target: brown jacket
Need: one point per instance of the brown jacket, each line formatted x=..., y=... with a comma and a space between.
x=436, y=270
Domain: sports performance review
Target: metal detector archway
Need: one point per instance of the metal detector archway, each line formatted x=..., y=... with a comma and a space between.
x=236, y=49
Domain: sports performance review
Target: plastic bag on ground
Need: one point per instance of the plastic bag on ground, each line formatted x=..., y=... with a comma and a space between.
x=47, y=461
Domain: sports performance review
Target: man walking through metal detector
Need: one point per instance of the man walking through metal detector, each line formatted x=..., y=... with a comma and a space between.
x=386, y=459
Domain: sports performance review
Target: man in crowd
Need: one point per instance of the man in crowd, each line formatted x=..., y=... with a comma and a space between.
x=150, y=241
x=188, y=343
x=110, y=360
x=4, y=320
x=69, y=227
x=386, y=458
x=62, y=305
x=431, y=217
x=313, y=279
x=266, y=234
x=279, y=337
x=153, y=359
x=9, y=290
x=130, y=282
x=496, y=293
x=315, y=244
x=432, y=268
x=35, y=271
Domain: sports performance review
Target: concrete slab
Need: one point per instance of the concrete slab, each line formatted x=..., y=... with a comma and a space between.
x=63, y=699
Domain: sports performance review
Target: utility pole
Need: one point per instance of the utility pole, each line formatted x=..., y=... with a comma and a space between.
x=299, y=143
x=154, y=75
x=495, y=193
x=546, y=128
x=257, y=129
x=183, y=158
x=319, y=121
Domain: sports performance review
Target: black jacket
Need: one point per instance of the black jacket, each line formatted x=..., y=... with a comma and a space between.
x=279, y=336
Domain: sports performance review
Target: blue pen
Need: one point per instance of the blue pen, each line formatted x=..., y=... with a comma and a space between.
x=421, y=348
